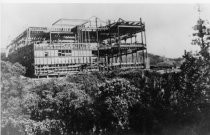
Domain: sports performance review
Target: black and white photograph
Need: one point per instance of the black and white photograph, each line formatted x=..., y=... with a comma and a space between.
x=105, y=68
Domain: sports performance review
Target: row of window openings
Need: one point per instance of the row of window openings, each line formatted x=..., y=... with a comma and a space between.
x=79, y=62
x=57, y=65
x=60, y=53
x=61, y=29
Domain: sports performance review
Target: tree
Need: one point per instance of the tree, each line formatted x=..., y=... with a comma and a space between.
x=202, y=59
x=3, y=56
x=202, y=39
x=60, y=108
x=12, y=92
x=88, y=82
x=112, y=104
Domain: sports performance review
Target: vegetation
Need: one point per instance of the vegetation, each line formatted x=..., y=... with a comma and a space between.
x=114, y=102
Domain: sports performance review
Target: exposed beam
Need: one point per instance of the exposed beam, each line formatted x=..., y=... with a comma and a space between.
x=126, y=26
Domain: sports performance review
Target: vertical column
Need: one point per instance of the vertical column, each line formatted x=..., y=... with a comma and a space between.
x=77, y=35
x=143, y=58
x=97, y=40
x=90, y=60
x=110, y=43
x=136, y=57
x=108, y=61
x=142, y=41
x=112, y=58
x=82, y=36
x=119, y=53
x=145, y=41
x=105, y=60
x=26, y=37
x=116, y=58
x=85, y=37
x=29, y=34
x=50, y=38
x=135, y=39
x=88, y=34
x=126, y=57
x=132, y=57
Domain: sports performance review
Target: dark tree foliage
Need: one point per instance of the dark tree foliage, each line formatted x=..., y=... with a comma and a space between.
x=12, y=92
x=167, y=100
x=89, y=82
x=3, y=56
x=201, y=61
x=112, y=104
x=62, y=108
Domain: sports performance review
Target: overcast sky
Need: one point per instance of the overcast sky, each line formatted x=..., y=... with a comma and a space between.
x=168, y=26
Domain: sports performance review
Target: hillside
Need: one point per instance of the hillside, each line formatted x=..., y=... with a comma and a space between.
x=156, y=59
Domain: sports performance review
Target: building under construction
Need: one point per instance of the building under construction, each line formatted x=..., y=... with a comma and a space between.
x=72, y=45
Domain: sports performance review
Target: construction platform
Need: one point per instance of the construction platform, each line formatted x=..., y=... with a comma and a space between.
x=73, y=45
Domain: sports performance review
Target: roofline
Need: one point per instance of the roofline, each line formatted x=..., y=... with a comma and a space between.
x=85, y=20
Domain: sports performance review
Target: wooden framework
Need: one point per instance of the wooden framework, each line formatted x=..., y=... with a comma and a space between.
x=72, y=45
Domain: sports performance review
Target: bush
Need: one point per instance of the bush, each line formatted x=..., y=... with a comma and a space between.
x=60, y=107
x=112, y=103
x=12, y=93
x=88, y=82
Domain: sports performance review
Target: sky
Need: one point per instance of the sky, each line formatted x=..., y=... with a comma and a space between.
x=168, y=26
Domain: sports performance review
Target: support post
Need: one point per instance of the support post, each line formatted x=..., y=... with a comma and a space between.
x=132, y=57
x=142, y=39
x=126, y=57
x=112, y=58
x=78, y=35
x=82, y=36
x=97, y=41
x=116, y=58
x=135, y=39
x=136, y=57
x=85, y=37
x=145, y=41
x=29, y=35
x=143, y=58
x=50, y=38
x=88, y=36
x=119, y=51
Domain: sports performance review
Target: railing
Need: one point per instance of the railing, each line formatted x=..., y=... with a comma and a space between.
x=122, y=45
x=71, y=46
x=126, y=65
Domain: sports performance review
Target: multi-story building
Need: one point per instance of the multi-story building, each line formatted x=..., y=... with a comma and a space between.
x=71, y=45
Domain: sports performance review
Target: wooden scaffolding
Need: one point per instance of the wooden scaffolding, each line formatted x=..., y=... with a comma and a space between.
x=72, y=45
